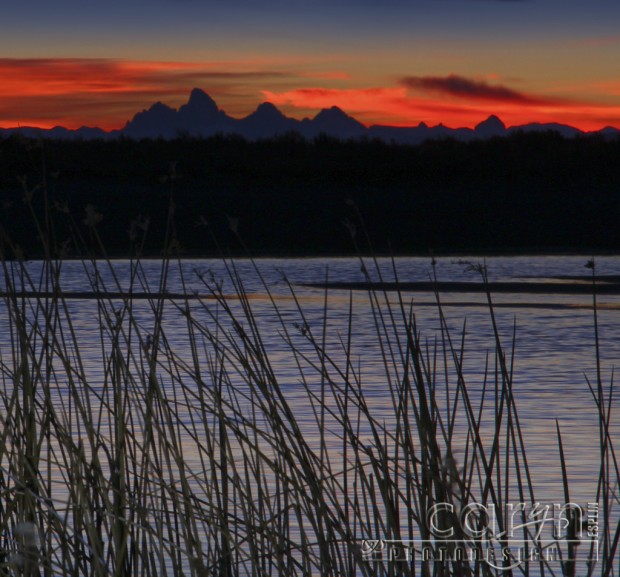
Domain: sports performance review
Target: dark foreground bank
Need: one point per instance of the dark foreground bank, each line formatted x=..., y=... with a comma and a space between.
x=526, y=192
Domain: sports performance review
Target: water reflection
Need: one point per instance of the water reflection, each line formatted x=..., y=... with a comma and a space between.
x=548, y=339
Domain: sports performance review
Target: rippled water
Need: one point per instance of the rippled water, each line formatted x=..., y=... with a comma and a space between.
x=554, y=337
x=554, y=347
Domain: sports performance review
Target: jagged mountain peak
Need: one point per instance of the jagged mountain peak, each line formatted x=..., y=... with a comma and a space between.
x=158, y=120
x=337, y=122
x=267, y=109
x=331, y=113
x=200, y=100
x=200, y=116
x=200, y=109
x=491, y=126
x=266, y=121
x=157, y=110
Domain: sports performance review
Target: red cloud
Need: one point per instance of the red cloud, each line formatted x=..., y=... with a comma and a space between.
x=370, y=105
x=107, y=92
x=475, y=101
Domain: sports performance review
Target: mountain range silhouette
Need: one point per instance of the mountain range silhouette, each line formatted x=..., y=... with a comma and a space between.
x=201, y=117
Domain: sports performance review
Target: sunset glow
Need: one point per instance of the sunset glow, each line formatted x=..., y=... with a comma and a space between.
x=400, y=67
x=105, y=93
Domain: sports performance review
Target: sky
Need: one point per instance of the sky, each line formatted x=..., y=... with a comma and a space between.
x=396, y=62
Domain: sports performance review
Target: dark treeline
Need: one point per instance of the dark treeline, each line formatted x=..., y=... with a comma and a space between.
x=524, y=192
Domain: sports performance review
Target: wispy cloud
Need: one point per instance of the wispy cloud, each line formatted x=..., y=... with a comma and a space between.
x=462, y=87
x=378, y=105
x=97, y=75
x=368, y=104
x=108, y=91
x=468, y=102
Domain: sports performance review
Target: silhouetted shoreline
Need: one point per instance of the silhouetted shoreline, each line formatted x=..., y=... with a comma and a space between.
x=536, y=193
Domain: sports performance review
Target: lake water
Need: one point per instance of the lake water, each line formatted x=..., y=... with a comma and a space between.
x=554, y=335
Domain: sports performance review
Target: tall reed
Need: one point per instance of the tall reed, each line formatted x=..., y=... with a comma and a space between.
x=199, y=460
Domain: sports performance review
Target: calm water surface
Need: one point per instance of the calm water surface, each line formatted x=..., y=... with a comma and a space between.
x=554, y=335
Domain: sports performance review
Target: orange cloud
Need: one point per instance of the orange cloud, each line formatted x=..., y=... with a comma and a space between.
x=73, y=92
x=379, y=105
x=108, y=92
x=368, y=104
x=515, y=107
x=453, y=100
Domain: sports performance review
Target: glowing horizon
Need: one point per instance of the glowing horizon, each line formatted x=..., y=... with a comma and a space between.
x=108, y=92
x=452, y=63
